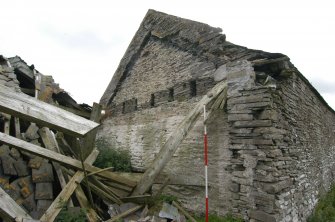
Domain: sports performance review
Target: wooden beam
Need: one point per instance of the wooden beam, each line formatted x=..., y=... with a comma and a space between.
x=48, y=154
x=91, y=215
x=183, y=211
x=175, y=139
x=124, y=214
x=88, y=142
x=67, y=191
x=17, y=128
x=9, y=209
x=50, y=143
x=26, y=107
x=75, y=111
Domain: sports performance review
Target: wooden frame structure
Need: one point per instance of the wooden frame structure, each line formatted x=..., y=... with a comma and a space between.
x=82, y=130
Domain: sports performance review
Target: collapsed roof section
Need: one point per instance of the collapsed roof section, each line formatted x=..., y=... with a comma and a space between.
x=16, y=73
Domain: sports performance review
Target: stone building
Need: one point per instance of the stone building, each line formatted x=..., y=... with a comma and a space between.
x=271, y=150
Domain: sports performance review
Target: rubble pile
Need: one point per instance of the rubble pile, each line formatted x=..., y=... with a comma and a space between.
x=7, y=75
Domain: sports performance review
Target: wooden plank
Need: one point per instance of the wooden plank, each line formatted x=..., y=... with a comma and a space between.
x=9, y=208
x=175, y=139
x=66, y=193
x=17, y=128
x=124, y=214
x=40, y=151
x=89, y=140
x=91, y=215
x=7, y=125
x=101, y=191
x=75, y=111
x=26, y=107
x=50, y=143
x=183, y=211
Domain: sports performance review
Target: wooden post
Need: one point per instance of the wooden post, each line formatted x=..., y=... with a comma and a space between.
x=50, y=143
x=172, y=143
x=65, y=194
x=124, y=214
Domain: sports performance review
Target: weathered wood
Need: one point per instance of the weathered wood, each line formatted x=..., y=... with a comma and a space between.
x=183, y=211
x=9, y=208
x=99, y=171
x=79, y=146
x=65, y=194
x=26, y=107
x=17, y=128
x=91, y=215
x=175, y=139
x=160, y=190
x=25, y=146
x=105, y=188
x=75, y=111
x=142, y=199
x=88, y=142
x=6, y=126
x=96, y=112
x=100, y=189
x=50, y=143
x=124, y=214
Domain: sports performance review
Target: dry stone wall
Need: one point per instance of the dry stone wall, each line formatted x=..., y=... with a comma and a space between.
x=308, y=147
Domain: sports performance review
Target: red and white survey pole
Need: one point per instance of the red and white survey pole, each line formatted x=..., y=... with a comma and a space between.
x=206, y=161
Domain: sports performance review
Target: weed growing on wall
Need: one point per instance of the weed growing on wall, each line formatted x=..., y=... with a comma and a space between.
x=111, y=157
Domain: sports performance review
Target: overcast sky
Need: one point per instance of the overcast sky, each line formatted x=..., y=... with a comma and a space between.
x=80, y=43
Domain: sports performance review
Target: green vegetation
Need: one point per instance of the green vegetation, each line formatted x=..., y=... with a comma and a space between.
x=215, y=218
x=167, y=198
x=111, y=157
x=325, y=209
x=71, y=216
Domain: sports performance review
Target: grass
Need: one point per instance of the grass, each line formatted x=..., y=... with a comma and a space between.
x=325, y=208
x=215, y=218
x=111, y=157
x=70, y=216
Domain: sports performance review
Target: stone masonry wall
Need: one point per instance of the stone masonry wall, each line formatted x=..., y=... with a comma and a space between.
x=308, y=147
x=164, y=85
x=271, y=149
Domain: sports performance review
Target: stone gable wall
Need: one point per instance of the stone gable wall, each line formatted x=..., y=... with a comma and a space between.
x=270, y=149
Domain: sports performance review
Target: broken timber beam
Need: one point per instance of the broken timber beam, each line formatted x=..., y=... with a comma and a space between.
x=48, y=154
x=124, y=214
x=172, y=143
x=9, y=209
x=67, y=191
x=50, y=143
x=26, y=107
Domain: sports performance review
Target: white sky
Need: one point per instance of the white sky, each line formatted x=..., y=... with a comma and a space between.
x=80, y=43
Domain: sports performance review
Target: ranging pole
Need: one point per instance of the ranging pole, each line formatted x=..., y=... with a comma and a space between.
x=206, y=162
